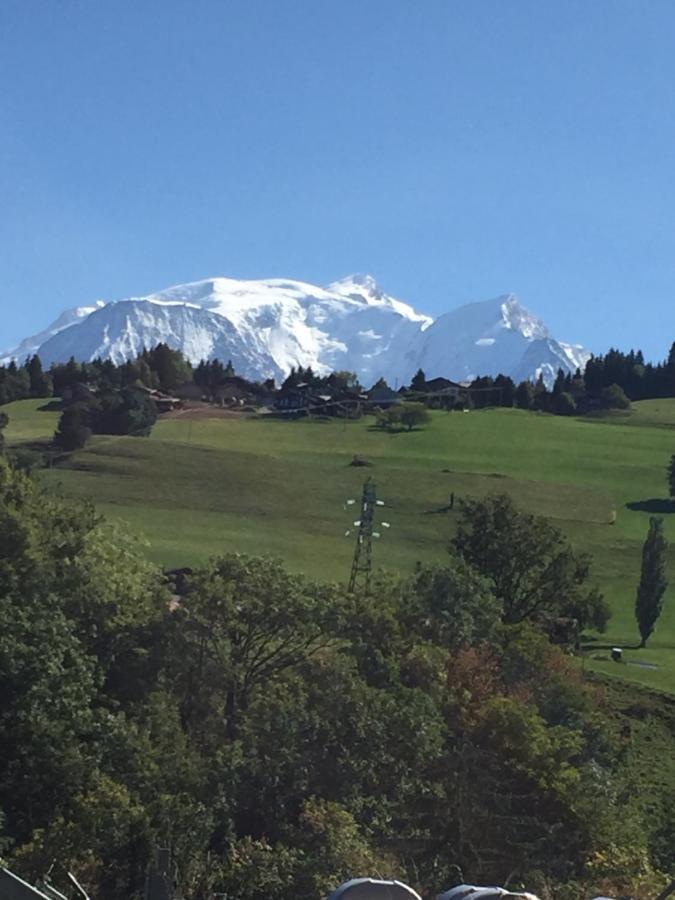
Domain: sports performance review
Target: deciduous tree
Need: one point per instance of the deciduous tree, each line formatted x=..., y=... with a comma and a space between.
x=414, y=415
x=73, y=430
x=244, y=621
x=614, y=397
x=533, y=570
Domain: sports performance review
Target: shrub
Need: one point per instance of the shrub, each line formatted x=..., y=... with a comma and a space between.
x=614, y=397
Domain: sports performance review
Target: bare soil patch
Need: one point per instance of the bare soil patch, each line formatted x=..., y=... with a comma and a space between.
x=202, y=411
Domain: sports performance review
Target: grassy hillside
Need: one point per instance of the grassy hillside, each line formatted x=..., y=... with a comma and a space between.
x=30, y=421
x=196, y=488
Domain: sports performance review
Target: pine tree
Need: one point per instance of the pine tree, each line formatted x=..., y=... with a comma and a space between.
x=669, y=377
x=201, y=373
x=559, y=385
x=419, y=382
x=507, y=390
x=671, y=477
x=525, y=395
x=541, y=396
x=653, y=583
x=217, y=373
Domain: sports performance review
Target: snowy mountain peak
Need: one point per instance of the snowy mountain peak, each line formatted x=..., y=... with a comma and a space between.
x=518, y=318
x=267, y=326
x=495, y=336
x=358, y=285
x=364, y=289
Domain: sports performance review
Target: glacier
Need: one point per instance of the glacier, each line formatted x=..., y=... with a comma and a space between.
x=268, y=326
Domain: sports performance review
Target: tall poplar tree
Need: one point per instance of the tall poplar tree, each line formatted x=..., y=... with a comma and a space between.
x=653, y=582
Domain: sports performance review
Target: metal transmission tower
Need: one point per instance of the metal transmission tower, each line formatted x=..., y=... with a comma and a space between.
x=362, y=565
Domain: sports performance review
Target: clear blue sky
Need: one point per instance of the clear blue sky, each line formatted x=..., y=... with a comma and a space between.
x=455, y=150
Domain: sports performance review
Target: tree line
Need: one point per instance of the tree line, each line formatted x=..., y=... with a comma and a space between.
x=161, y=368
x=568, y=395
x=608, y=381
x=611, y=381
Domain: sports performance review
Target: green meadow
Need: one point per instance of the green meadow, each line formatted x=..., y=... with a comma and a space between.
x=201, y=487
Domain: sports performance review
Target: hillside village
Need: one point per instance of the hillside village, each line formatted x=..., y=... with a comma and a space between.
x=100, y=397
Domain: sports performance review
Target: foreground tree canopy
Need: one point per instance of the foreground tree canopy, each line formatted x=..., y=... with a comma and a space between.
x=281, y=735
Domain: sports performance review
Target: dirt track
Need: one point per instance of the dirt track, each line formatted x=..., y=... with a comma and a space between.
x=203, y=411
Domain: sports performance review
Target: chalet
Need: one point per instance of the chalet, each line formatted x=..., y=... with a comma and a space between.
x=445, y=387
x=343, y=404
x=441, y=393
x=383, y=396
x=238, y=388
x=297, y=398
x=163, y=402
x=268, y=397
x=325, y=401
x=191, y=391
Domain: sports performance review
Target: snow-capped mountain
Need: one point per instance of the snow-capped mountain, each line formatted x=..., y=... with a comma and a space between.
x=490, y=337
x=266, y=327
x=30, y=345
x=121, y=330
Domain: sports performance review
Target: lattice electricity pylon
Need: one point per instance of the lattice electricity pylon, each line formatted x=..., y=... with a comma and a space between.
x=362, y=565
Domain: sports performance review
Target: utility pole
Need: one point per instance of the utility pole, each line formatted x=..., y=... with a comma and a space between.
x=363, y=552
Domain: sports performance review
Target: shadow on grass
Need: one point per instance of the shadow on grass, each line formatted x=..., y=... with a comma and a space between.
x=594, y=645
x=655, y=505
x=394, y=432
x=51, y=406
x=38, y=446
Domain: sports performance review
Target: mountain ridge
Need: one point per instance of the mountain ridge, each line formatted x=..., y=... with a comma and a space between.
x=268, y=326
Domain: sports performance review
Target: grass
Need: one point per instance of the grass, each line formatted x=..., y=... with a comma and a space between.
x=28, y=422
x=197, y=488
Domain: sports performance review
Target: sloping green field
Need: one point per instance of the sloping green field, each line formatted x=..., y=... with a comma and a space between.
x=197, y=488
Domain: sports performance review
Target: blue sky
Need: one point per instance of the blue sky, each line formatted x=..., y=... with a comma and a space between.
x=455, y=150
